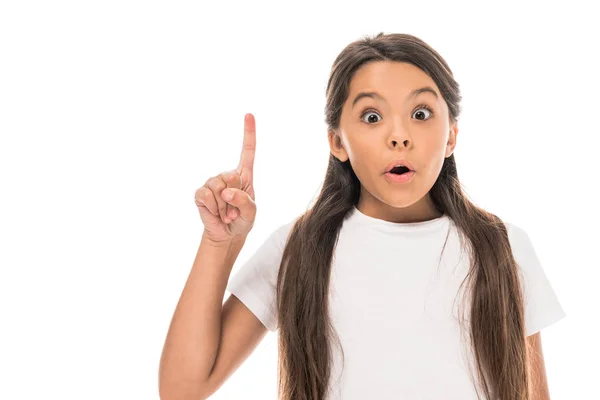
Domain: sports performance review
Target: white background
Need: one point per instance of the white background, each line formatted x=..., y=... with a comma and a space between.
x=113, y=113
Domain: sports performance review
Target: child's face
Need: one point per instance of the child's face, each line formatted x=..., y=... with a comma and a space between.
x=395, y=127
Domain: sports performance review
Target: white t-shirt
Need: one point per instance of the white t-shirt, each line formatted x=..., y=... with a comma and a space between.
x=395, y=305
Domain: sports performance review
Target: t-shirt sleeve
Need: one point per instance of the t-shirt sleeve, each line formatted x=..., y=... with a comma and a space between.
x=541, y=304
x=255, y=283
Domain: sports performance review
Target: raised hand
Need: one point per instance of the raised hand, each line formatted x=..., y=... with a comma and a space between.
x=226, y=218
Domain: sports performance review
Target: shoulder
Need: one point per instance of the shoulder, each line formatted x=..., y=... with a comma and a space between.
x=526, y=257
x=515, y=232
x=519, y=240
x=273, y=245
x=280, y=235
x=542, y=307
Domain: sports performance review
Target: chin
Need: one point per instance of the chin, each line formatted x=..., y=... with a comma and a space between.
x=401, y=203
x=402, y=198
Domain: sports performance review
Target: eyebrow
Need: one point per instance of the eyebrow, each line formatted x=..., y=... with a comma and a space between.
x=375, y=95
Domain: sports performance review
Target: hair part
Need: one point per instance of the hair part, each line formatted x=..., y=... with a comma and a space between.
x=496, y=329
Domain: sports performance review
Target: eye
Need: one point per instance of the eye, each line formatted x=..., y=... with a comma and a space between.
x=369, y=111
x=418, y=111
x=424, y=107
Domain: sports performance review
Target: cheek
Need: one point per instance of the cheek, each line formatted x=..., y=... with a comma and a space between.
x=434, y=165
x=365, y=162
x=358, y=151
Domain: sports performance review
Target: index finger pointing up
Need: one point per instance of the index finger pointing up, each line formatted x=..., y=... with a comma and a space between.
x=249, y=145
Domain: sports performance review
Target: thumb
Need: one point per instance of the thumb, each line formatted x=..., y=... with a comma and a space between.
x=242, y=201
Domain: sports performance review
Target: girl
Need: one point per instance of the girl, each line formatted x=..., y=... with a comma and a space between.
x=393, y=285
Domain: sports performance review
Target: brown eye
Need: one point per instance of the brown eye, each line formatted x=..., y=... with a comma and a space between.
x=419, y=112
x=371, y=120
x=422, y=113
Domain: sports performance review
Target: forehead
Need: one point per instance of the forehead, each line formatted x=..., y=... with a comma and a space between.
x=387, y=77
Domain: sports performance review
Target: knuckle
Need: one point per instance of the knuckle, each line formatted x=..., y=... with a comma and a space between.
x=230, y=177
x=201, y=194
x=216, y=184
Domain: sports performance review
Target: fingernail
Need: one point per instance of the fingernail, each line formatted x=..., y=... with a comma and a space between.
x=227, y=194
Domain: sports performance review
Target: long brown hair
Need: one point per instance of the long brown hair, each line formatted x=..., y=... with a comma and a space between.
x=497, y=328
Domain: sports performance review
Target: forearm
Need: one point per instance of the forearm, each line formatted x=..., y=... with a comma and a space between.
x=193, y=338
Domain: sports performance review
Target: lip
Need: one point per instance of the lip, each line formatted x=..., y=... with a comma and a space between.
x=404, y=178
x=396, y=162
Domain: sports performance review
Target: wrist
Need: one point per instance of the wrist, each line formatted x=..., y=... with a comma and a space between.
x=225, y=244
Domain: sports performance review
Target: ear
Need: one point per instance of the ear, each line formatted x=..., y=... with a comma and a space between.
x=336, y=146
x=452, y=139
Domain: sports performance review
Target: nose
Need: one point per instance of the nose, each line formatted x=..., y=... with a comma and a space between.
x=395, y=142
x=397, y=136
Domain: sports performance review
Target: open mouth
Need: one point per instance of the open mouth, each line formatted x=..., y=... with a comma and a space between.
x=399, y=170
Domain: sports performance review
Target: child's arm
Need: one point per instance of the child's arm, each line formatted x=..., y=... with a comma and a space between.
x=241, y=332
x=539, y=382
x=207, y=340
